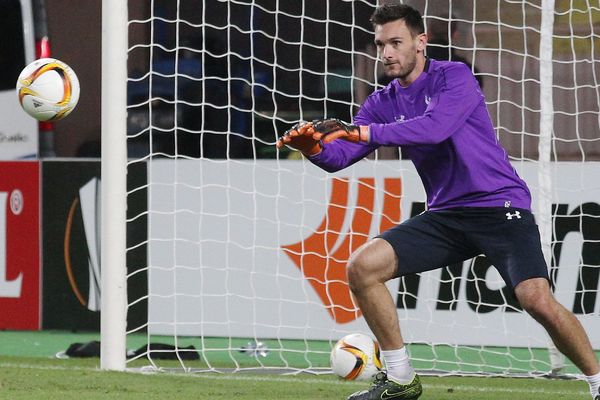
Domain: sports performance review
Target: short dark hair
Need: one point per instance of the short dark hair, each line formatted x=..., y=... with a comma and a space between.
x=392, y=12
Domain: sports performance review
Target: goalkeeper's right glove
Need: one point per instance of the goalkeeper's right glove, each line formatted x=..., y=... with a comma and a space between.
x=332, y=129
x=300, y=137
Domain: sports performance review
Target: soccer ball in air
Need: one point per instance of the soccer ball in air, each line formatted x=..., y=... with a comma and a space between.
x=356, y=357
x=48, y=89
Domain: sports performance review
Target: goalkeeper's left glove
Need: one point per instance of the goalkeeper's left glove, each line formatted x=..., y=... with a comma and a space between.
x=328, y=130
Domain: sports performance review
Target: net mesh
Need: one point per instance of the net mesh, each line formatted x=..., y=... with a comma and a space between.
x=246, y=245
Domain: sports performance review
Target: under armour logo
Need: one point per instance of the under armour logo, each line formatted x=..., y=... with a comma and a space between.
x=427, y=99
x=400, y=118
x=516, y=214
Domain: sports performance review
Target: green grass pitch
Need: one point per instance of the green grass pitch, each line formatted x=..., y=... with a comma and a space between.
x=38, y=378
x=29, y=371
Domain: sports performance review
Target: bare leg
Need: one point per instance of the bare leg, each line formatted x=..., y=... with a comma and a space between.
x=370, y=267
x=564, y=328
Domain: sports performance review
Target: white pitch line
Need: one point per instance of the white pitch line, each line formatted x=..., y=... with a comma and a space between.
x=261, y=378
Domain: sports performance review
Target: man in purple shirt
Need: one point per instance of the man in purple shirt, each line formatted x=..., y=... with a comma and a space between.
x=477, y=204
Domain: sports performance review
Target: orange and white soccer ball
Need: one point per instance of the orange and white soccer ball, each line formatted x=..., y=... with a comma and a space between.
x=356, y=357
x=48, y=89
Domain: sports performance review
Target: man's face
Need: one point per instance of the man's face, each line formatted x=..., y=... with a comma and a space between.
x=397, y=48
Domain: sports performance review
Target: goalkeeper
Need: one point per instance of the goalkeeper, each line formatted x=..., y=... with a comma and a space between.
x=476, y=202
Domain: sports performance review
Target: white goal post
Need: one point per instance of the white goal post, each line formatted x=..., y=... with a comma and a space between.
x=246, y=246
x=114, y=191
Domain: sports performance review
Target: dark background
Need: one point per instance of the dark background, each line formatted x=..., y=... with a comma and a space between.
x=61, y=181
x=275, y=51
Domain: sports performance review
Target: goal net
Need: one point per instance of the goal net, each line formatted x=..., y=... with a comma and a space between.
x=242, y=261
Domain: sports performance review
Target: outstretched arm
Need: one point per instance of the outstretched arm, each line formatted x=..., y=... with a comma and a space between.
x=458, y=96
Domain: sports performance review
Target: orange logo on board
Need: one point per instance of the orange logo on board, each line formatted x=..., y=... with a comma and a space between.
x=325, y=266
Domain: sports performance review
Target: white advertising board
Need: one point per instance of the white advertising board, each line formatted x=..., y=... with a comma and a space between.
x=257, y=249
x=18, y=131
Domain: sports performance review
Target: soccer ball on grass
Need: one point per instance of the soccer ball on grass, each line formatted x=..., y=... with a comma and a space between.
x=48, y=89
x=356, y=357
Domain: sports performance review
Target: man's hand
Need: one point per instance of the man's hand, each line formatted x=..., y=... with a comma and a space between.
x=301, y=137
x=308, y=137
x=328, y=130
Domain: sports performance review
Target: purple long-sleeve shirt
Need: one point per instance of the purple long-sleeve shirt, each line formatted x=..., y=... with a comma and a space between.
x=442, y=124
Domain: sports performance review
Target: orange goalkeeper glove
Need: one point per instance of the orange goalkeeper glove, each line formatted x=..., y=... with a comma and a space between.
x=328, y=130
x=301, y=137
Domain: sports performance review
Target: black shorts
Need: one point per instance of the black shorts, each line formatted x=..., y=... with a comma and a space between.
x=508, y=237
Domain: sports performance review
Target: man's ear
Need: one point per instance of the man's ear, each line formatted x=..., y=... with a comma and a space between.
x=422, y=42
